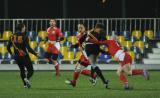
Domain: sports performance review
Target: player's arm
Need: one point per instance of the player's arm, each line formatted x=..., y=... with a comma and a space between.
x=9, y=45
x=60, y=35
x=81, y=39
x=94, y=40
x=91, y=38
x=46, y=39
x=29, y=48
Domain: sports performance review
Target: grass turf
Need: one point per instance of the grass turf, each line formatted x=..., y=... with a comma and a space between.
x=46, y=85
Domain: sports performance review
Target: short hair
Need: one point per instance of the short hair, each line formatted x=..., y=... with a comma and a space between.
x=53, y=19
x=19, y=26
x=99, y=25
x=81, y=24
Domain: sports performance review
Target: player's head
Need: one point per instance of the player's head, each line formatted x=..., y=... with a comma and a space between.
x=52, y=22
x=99, y=27
x=81, y=28
x=20, y=27
x=114, y=37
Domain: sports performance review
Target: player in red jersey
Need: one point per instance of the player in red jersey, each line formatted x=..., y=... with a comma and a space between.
x=83, y=62
x=54, y=37
x=125, y=60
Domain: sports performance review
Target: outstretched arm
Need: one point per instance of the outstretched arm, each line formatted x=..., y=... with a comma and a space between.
x=94, y=40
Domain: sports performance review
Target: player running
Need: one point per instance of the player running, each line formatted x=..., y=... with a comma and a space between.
x=124, y=59
x=20, y=43
x=54, y=37
x=83, y=62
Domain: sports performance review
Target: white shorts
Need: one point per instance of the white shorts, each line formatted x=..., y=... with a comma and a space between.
x=120, y=55
x=57, y=45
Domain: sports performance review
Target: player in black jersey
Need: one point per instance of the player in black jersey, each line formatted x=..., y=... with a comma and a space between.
x=93, y=51
x=20, y=43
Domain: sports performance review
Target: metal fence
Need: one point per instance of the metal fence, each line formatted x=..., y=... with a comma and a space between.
x=111, y=24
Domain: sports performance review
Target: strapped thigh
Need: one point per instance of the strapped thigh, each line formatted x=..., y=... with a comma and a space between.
x=127, y=68
x=79, y=67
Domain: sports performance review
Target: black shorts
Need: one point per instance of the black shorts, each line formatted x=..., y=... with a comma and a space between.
x=51, y=56
x=92, y=49
x=22, y=61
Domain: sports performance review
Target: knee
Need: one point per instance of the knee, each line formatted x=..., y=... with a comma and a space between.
x=22, y=73
x=30, y=73
x=118, y=72
x=129, y=72
x=54, y=62
x=22, y=70
x=94, y=66
x=78, y=68
x=30, y=70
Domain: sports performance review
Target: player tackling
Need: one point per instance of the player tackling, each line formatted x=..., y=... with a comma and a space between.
x=124, y=59
x=83, y=62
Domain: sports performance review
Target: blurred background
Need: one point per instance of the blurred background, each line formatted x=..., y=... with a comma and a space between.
x=135, y=22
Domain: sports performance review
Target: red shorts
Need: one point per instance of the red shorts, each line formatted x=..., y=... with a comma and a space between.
x=83, y=61
x=52, y=49
x=127, y=59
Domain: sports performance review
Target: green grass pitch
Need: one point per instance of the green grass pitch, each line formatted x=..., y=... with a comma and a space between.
x=46, y=85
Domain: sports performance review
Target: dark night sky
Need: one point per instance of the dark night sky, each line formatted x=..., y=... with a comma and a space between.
x=79, y=8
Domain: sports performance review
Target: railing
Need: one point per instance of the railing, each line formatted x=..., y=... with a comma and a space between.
x=111, y=24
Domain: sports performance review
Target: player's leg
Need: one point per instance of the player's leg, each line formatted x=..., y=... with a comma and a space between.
x=76, y=74
x=29, y=67
x=93, y=71
x=52, y=56
x=95, y=68
x=88, y=73
x=124, y=69
x=22, y=74
x=29, y=71
x=56, y=63
x=55, y=57
x=142, y=72
x=127, y=61
x=85, y=62
x=80, y=68
x=122, y=77
x=52, y=59
x=21, y=66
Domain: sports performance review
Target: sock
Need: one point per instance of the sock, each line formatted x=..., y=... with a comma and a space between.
x=57, y=69
x=92, y=71
x=123, y=79
x=99, y=73
x=88, y=73
x=75, y=76
x=137, y=72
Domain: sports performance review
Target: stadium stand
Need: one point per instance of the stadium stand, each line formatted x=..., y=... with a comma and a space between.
x=134, y=40
x=6, y=35
x=136, y=34
x=149, y=34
